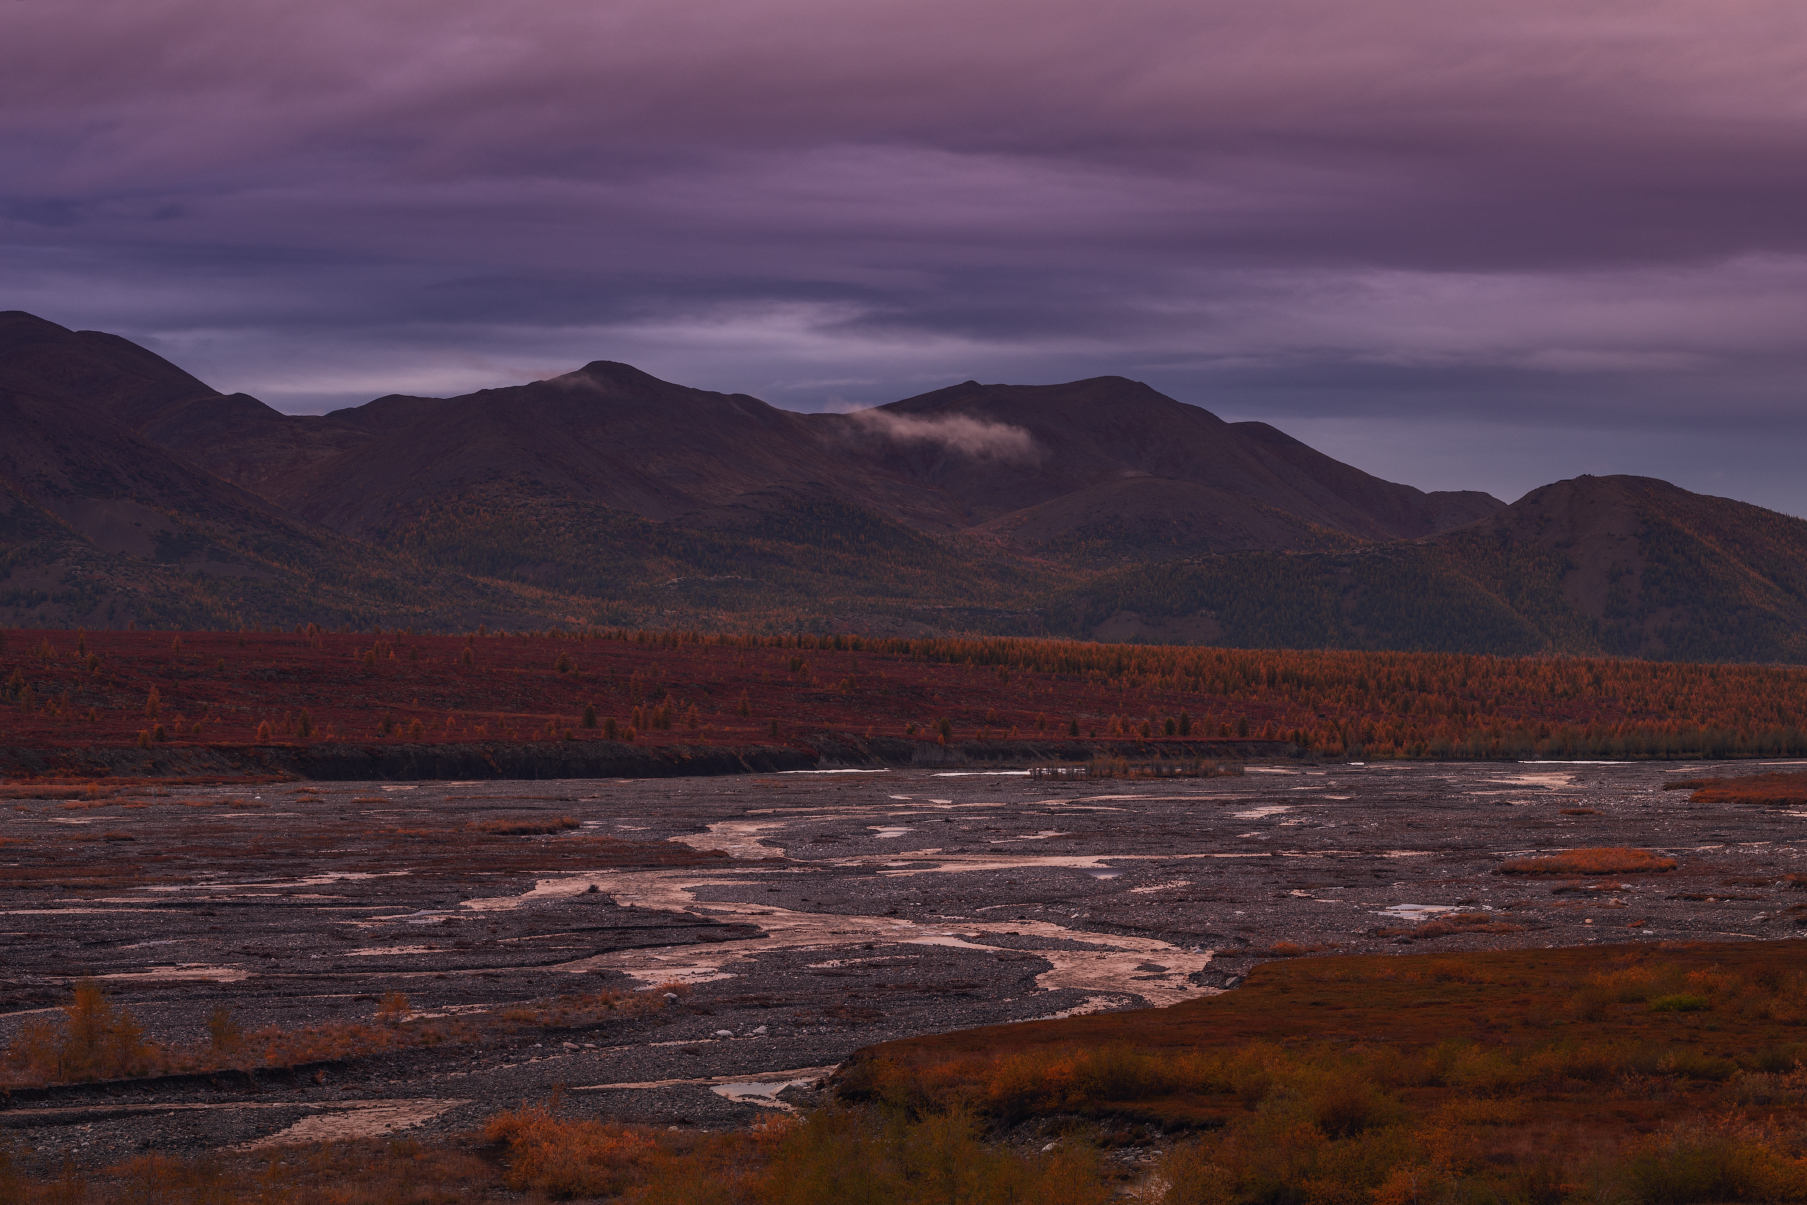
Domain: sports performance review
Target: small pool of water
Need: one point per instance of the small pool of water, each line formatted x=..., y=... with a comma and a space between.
x=1416, y=911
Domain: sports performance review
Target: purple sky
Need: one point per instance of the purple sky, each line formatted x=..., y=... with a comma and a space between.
x=1459, y=244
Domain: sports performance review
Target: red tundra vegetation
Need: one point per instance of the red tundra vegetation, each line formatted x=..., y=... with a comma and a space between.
x=1777, y=789
x=75, y=689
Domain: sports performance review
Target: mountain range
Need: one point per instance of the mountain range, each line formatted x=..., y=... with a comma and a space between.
x=134, y=492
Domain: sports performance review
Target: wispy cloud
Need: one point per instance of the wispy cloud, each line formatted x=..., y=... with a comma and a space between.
x=974, y=437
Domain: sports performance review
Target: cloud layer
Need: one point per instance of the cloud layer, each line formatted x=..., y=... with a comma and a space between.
x=1465, y=244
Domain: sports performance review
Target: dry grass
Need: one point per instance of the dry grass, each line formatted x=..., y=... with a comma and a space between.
x=93, y=1041
x=1635, y=1074
x=50, y=790
x=1452, y=925
x=1602, y=860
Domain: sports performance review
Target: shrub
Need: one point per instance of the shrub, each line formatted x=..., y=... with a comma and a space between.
x=224, y=1034
x=1604, y=860
x=1780, y=789
x=94, y=1041
x=569, y=1158
x=1721, y=1162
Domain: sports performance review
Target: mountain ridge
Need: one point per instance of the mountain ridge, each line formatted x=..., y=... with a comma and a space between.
x=1096, y=508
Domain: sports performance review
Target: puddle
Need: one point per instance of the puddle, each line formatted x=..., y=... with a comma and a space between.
x=1160, y=886
x=1555, y=762
x=1262, y=813
x=834, y=771
x=888, y=833
x=980, y=774
x=763, y=1093
x=737, y=838
x=1104, y=872
x=192, y=970
x=365, y=1119
x=1551, y=780
x=1415, y=911
x=742, y=1088
x=1091, y=1004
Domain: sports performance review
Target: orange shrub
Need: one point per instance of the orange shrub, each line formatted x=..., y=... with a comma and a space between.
x=569, y=1158
x=1779, y=789
x=1604, y=860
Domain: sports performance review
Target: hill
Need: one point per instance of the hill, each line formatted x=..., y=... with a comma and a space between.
x=1097, y=509
x=1111, y=463
x=1626, y=566
x=1107, y=465
x=101, y=527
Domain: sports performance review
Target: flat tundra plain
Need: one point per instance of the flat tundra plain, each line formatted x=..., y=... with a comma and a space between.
x=760, y=929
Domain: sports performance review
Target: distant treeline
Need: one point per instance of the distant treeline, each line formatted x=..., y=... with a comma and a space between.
x=691, y=687
x=1384, y=704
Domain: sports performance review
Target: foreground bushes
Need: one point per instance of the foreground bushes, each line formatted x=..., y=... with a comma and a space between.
x=92, y=1040
x=831, y=1155
x=1542, y=1077
x=1474, y=1151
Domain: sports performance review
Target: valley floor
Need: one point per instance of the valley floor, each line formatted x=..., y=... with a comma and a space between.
x=704, y=952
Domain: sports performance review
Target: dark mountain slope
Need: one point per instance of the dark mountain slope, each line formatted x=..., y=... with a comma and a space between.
x=1159, y=518
x=1618, y=565
x=606, y=434
x=1105, y=469
x=107, y=373
x=99, y=527
x=1246, y=485
x=609, y=495
x=233, y=436
x=1402, y=510
x=1637, y=566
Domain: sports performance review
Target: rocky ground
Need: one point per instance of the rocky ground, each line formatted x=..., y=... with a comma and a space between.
x=765, y=927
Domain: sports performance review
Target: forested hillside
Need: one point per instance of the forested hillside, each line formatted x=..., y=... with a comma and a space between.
x=133, y=493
